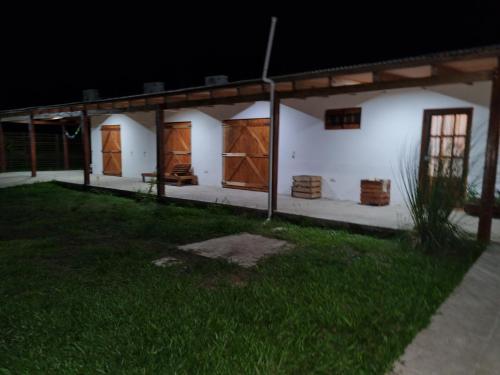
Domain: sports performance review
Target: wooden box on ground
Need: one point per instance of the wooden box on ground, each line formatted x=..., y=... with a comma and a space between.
x=375, y=192
x=308, y=187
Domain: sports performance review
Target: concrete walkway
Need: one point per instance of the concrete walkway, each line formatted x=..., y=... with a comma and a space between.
x=464, y=335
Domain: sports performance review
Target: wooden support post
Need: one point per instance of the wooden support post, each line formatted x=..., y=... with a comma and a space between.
x=3, y=156
x=65, y=147
x=85, y=129
x=276, y=114
x=160, y=152
x=31, y=131
x=490, y=163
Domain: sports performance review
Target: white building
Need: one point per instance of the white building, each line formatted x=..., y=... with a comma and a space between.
x=344, y=124
x=391, y=123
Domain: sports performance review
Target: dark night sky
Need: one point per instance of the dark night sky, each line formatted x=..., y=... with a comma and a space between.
x=62, y=53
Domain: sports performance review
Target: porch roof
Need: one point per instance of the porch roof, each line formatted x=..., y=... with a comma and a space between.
x=459, y=66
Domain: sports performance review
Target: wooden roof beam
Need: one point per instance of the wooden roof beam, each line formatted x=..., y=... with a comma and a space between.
x=176, y=98
x=391, y=84
x=103, y=112
x=154, y=100
x=66, y=121
x=472, y=65
x=386, y=76
x=121, y=104
x=351, y=79
x=225, y=92
x=105, y=105
x=218, y=101
x=252, y=89
x=421, y=71
x=199, y=95
x=284, y=86
x=441, y=69
x=312, y=83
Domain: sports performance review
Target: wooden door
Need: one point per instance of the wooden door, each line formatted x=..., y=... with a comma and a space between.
x=445, y=144
x=111, y=150
x=246, y=154
x=177, y=144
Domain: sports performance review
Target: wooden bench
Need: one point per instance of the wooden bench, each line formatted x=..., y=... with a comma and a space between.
x=180, y=173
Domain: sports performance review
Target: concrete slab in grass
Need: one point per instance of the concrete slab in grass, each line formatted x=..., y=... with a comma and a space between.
x=243, y=249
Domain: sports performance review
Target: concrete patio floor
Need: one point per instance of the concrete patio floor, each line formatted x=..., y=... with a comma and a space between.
x=394, y=216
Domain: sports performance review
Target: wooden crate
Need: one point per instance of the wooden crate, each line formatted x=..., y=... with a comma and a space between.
x=375, y=192
x=308, y=187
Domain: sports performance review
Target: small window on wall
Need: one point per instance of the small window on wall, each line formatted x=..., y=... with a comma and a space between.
x=344, y=118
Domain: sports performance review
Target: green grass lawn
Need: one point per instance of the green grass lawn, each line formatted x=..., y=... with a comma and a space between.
x=78, y=292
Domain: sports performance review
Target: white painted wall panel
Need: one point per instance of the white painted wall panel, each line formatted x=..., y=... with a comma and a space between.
x=391, y=125
x=256, y=110
x=206, y=144
x=138, y=141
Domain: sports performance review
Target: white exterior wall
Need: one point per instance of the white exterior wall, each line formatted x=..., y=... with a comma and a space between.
x=391, y=124
x=138, y=141
x=206, y=144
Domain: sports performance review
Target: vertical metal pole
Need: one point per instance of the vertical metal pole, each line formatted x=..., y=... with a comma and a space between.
x=65, y=147
x=275, y=164
x=3, y=155
x=272, y=85
x=85, y=129
x=160, y=153
x=31, y=131
x=490, y=163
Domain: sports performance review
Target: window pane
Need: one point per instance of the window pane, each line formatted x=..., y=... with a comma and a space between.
x=434, y=146
x=433, y=167
x=448, y=124
x=459, y=147
x=457, y=168
x=446, y=146
x=461, y=125
x=436, y=125
x=445, y=167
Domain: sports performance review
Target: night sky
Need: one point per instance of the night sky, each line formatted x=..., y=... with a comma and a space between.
x=116, y=50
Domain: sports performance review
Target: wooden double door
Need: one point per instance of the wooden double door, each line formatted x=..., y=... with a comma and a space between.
x=246, y=154
x=111, y=150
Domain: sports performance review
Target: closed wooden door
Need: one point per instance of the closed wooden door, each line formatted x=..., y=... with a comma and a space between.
x=111, y=150
x=246, y=154
x=445, y=144
x=177, y=144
